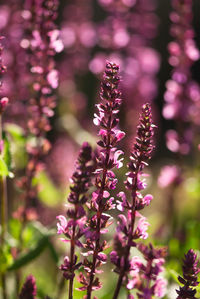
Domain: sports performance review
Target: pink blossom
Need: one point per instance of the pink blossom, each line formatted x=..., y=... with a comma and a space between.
x=62, y=225
x=169, y=174
x=55, y=42
x=118, y=162
x=52, y=78
x=97, y=118
x=123, y=203
x=147, y=199
x=160, y=287
x=119, y=134
x=142, y=227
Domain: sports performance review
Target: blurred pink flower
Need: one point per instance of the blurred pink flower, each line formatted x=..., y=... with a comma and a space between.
x=169, y=174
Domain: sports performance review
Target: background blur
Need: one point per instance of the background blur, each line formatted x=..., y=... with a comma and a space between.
x=135, y=34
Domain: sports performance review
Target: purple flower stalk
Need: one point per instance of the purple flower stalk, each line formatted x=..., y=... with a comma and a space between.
x=146, y=277
x=29, y=289
x=107, y=159
x=42, y=43
x=126, y=234
x=182, y=92
x=74, y=226
x=189, y=279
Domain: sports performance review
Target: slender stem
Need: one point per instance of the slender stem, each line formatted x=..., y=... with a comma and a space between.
x=126, y=255
x=3, y=205
x=97, y=245
x=72, y=251
x=72, y=259
x=122, y=273
x=99, y=214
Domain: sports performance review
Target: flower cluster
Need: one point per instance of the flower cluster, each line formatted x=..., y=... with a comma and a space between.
x=146, y=278
x=130, y=44
x=41, y=43
x=118, y=36
x=29, y=289
x=126, y=233
x=74, y=226
x=182, y=92
x=189, y=279
x=17, y=76
x=105, y=181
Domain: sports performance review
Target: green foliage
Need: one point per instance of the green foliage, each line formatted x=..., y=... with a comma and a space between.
x=6, y=258
x=30, y=255
x=48, y=193
x=17, y=142
x=35, y=238
x=3, y=168
x=15, y=227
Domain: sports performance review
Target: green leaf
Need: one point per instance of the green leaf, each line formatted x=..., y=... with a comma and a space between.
x=6, y=152
x=15, y=131
x=3, y=168
x=30, y=255
x=6, y=258
x=17, y=144
x=48, y=193
x=173, y=274
x=15, y=228
x=53, y=252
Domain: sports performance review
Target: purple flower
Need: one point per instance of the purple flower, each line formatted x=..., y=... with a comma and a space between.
x=189, y=279
x=29, y=289
x=181, y=90
x=39, y=24
x=74, y=227
x=141, y=153
x=160, y=287
x=170, y=174
x=107, y=158
x=151, y=281
x=62, y=225
x=141, y=229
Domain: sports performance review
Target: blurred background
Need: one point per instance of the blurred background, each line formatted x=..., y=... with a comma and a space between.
x=137, y=35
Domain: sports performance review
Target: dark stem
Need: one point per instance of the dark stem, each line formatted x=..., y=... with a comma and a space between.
x=72, y=250
x=99, y=213
x=122, y=273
